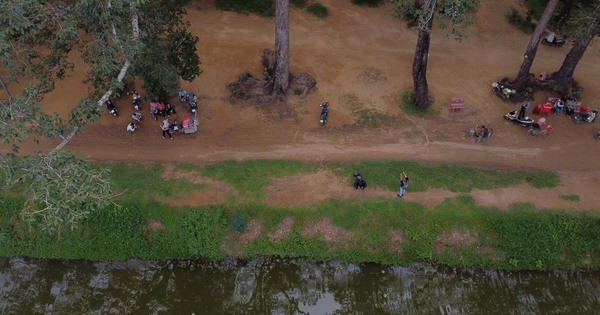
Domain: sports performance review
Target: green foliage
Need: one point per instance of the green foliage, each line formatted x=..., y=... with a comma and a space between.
x=258, y=7
x=524, y=24
x=251, y=177
x=132, y=179
x=457, y=178
x=170, y=51
x=368, y=3
x=300, y=4
x=63, y=190
x=406, y=101
x=318, y=9
x=574, y=198
x=202, y=232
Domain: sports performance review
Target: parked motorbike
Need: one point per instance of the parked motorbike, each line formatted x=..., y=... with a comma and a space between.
x=112, y=109
x=597, y=136
x=587, y=117
x=503, y=91
x=552, y=40
x=324, y=113
x=514, y=117
x=193, y=101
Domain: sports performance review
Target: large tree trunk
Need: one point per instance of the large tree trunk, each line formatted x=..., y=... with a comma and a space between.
x=421, y=88
x=521, y=80
x=282, y=47
x=563, y=79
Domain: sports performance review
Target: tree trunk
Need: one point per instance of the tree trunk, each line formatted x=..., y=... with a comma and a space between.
x=419, y=70
x=563, y=79
x=282, y=47
x=5, y=89
x=521, y=80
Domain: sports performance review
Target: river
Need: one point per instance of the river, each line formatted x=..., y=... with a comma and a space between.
x=276, y=286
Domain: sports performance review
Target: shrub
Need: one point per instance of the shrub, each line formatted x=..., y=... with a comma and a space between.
x=524, y=24
x=367, y=3
x=299, y=3
x=258, y=7
x=318, y=9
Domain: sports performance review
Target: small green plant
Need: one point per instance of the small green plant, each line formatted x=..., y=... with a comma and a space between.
x=318, y=9
x=298, y=91
x=406, y=101
x=238, y=223
x=574, y=198
x=524, y=24
x=301, y=4
x=368, y=3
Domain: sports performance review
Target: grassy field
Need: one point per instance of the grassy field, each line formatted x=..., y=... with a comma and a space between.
x=458, y=232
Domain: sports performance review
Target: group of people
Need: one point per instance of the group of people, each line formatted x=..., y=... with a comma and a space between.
x=161, y=109
x=360, y=183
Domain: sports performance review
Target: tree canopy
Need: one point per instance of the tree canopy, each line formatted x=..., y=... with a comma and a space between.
x=115, y=38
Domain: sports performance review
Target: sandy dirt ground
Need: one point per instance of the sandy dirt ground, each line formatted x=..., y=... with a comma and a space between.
x=361, y=58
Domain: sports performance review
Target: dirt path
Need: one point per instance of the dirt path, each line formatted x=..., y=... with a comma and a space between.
x=361, y=58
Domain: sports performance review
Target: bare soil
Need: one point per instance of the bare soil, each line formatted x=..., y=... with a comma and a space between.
x=361, y=59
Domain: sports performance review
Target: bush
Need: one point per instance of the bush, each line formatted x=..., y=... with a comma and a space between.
x=299, y=3
x=258, y=7
x=524, y=24
x=367, y=3
x=318, y=9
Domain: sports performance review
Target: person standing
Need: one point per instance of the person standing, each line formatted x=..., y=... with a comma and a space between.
x=154, y=109
x=404, y=181
x=165, y=128
x=523, y=110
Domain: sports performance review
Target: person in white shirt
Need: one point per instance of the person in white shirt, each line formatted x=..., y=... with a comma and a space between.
x=131, y=127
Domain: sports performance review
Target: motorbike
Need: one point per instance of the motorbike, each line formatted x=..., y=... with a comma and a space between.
x=193, y=101
x=324, y=113
x=112, y=109
x=514, y=117
x=587, y=117
x=597, y=136
x=503, y=91
x=552, y=40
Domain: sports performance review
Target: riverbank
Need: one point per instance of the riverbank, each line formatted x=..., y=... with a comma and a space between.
x=253, y=208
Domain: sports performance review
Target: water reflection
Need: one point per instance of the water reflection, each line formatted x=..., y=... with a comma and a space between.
x=272, y=286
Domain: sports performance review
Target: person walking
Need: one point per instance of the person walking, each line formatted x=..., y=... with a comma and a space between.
x=404, y=181
x=165, y=128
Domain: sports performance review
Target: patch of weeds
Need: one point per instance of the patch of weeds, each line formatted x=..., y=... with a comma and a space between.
x=524, y=24
x=574, y=198
x=258, y=7
x=186, y=167
x=298, y=91
x=300, y=4
x=543, y=179
x=365, y=117
x=318, y=9
x=368, y=3
x=406, y=101
x=372, y=75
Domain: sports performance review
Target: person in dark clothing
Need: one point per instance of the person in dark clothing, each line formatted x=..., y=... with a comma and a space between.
x=359, y=182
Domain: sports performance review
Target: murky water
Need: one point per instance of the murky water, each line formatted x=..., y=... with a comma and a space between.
x=285, y=287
